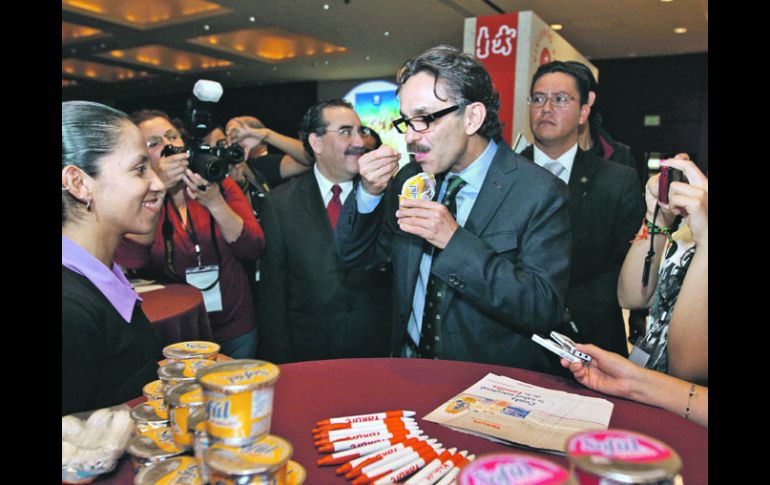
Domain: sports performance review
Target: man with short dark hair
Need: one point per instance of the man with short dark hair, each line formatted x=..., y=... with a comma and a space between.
x=605, y=205
x=484, y=266
x=311, y=307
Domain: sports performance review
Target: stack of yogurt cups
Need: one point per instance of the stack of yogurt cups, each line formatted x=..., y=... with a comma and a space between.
x=218, y=412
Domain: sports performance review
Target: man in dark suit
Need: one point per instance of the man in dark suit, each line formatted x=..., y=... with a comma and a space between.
x=311, y=307
x=476, y=285
x=606, y=204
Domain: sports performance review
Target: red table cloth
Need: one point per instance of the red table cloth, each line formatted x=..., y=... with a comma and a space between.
x=307, y=392
x=177, y=313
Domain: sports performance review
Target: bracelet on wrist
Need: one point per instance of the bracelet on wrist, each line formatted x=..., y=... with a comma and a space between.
x=650, y=228
x=689, y=401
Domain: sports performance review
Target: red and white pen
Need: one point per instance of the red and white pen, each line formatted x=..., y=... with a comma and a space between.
x=365, y=433
x=361, y=418
x=351, y=444
x=427, y=452
x=450, y=476
x=357, y=463
x=393, y=461
x=347, y=455
x=325, y=431
x=410, y=468
x=436, y=469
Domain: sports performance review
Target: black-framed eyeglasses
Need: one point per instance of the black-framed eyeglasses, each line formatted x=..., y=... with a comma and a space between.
x=422, y=122
x=155, y=140
x=347, y=131
x=560, y=100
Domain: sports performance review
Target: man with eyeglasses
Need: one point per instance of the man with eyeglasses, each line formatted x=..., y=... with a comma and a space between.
x=311, y=307
x=606, y=204
x=476, y=285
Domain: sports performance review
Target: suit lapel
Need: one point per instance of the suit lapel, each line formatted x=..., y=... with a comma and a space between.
x=314, y=206
x=583, y=170
x=496, y=185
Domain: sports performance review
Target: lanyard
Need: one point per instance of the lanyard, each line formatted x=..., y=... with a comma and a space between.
x=168, y=237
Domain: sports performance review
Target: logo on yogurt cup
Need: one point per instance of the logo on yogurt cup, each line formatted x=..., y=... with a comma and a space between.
x=619, y=446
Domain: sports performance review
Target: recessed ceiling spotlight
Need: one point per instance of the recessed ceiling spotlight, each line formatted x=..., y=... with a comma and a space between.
x=368, y=58
x=557, y=26
x=206, y=27
x=326, y=6
x=252, y=19
x=680, y=30
x=666, y=1
x=387, y=33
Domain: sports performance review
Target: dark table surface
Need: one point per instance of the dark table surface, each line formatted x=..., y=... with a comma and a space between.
x=307, y=392
x=177, y=313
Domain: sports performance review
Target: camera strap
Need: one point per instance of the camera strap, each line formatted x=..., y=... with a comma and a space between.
x=168, y=240
x=651, y=252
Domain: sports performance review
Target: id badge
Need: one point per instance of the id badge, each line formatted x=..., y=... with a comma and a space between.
x=206, y=279
x=639, y=356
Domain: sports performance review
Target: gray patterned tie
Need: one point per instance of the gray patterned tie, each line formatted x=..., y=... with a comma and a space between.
x=555, y=167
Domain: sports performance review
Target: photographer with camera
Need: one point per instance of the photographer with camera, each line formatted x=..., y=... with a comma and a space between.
x=205, y=233
x=666, y=269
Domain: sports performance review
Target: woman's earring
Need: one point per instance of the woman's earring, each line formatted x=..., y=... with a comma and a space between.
x=88, y=205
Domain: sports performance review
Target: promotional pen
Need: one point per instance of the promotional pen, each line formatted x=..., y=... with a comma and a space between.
x=356, y=464
x=409, y=468
x=346, y=456
x=361, y=418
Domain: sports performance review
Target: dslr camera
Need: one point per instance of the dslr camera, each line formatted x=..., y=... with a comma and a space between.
x=210, y=162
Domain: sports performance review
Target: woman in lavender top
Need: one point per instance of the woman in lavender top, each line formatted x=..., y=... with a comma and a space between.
x=109, y=348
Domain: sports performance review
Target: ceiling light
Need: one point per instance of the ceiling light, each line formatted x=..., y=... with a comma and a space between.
x=557, y=26
x=252, y=19
x=387, y=33
x=680, y=30
x=326, y=6
x=206, y=27
x=666, y=1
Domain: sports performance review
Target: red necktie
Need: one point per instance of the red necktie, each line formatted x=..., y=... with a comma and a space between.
x=335, y=206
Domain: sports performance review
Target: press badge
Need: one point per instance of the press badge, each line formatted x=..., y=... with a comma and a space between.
x=206, y=279
x=639, y=356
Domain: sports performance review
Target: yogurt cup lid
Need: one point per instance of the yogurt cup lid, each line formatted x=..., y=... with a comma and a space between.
x=158, y=442
x=174, y=471
x=185, y=394
x=295, y=473
x=190, y=350
x=238, y=375
x=183, y=370
x=150, y=411
x=623, y=455
x=512, y=469
x=154, y=388
x=420, y=186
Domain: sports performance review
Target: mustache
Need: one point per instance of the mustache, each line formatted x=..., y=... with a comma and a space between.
x=356, y=151
x=416, y=148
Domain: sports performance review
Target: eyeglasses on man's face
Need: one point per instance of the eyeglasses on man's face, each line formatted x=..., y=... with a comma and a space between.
x=347, y=131
x=155, y=140
x=421, y=123
x=559, y=100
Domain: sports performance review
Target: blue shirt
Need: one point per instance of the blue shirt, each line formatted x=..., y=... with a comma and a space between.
x=111, y=282
x=474, y=174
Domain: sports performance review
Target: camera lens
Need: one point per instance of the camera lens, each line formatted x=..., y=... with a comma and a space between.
x=209, y=167
x=234, y=154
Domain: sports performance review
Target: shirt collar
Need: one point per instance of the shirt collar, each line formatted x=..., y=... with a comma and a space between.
x=567, y=158
x=111, y=282
x=325, y=185
x=475, y=173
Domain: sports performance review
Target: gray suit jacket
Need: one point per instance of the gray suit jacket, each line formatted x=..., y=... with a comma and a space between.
x=507, y=269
